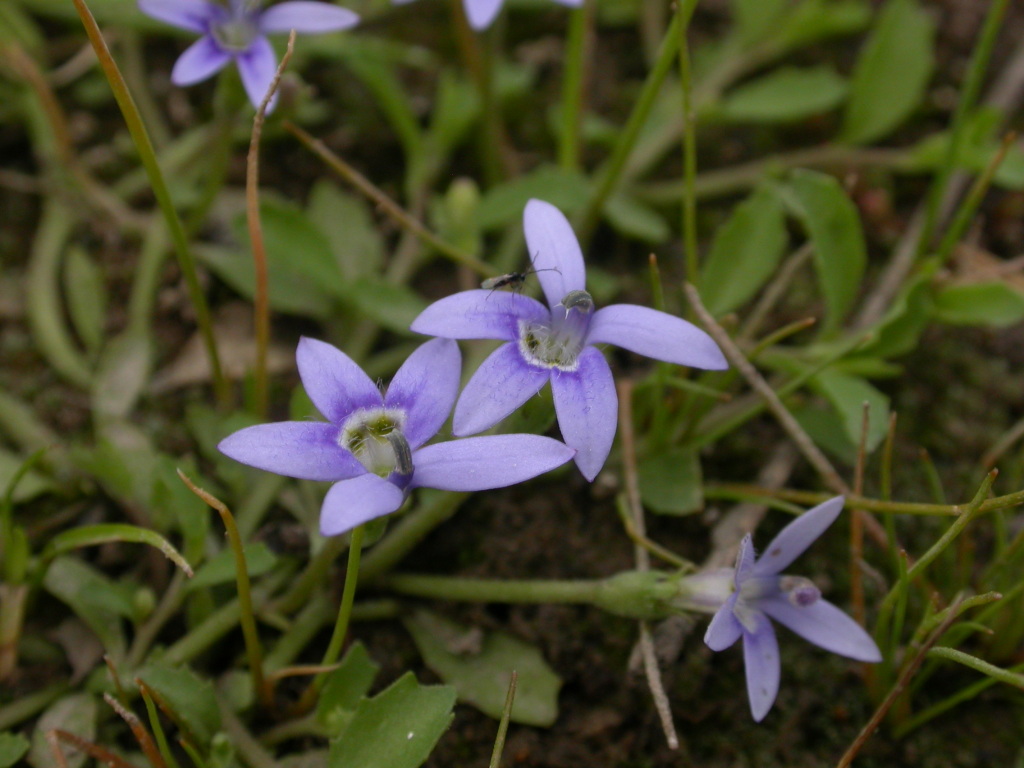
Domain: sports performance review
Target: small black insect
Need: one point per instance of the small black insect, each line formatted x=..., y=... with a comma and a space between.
x=512, y=280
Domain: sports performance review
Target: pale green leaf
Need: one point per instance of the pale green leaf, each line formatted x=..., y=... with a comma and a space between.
x=480, y=664
x=892, y=72
x=397, y=728
x=86, y=294
x=993, y=303
x=187, y=698
x=671, y=482
x=847, y=395
x=745, y=252
x=12, y=747
x=220, y=569
x=345, y=687
x=75, y=713
x=503, y=204
x=831, y=221
x=785, y=95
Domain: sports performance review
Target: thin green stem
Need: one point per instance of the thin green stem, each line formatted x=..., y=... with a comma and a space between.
x=348, y=596
x=248, y=619
x=573, y=85
x=958, y=132
x=408, y=532
x=990, y=670
x=506, y=715
x=689, y=212
x=148, y=157
x=611, y=172
x=579, y=591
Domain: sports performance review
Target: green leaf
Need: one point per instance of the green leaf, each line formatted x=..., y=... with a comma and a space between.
x=393, y=306
x=891, y=74
x=994, y=304
x=12, y=747
x=898, y=332
x=745, y=252
x=345, y=220
x=86, y=293
x=345, y=687
x=756, y=18
x=303, y=273
x=220, y=569
x=847, y=395
x=32, y=483
x=75, y=713
x=503, y=204
x=121, y=375
x=833, y=225
x=188, y=699
x=671, y=482
x=396, y=728
x=635, y=220
x=99, y=601
x=785, y=95
x=814, y=20
x=480, y=665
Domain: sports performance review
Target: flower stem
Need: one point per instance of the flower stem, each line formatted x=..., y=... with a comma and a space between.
x=248, y=620
x=148, y=157
x=577, y=52
x=610, y=173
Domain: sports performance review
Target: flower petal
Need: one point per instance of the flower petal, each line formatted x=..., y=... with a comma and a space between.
x=792, y=540
x=354, y=502
x=502, y=383
x=656, y=334
x=570, y=3
x=193, y=15
x=306, y=450
x=482, y=12
x=491, y=461
x=199, y=61
x=425, y=387
x=825, y=625
x=724, y=629
x=744, y=560
x=761, y=660
x=480, y=314
x=335, y=384
x=257, y=65
x=308, y=17
x=587, y=407
x=554, y=251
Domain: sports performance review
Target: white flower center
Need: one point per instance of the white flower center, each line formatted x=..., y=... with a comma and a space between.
x=375, y=438
x=238, y=28
x=558, y=344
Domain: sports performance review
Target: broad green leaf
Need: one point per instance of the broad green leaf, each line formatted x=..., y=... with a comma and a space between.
x=825, y=427
x=121, y=375
x=75, y=713
x=635, y=220
x=397, y=728
x=671, y=482
x=908, y=316
x=892, y=72
x=220, y=569
x=833, y=225
x=86, y=293
x=814, y=20
x=503, y=204
x=847, y=395
x=123, y=461
x=97, y=600
x=393, y=306
x=12, y=747
x=303, y=273
x=345, y=688
x=993, y=303
x=345, y=220
x=188, y=699
x=755, y=18
x=32, y=483
x=480, y=664
x=745, y=252
x=785, y=95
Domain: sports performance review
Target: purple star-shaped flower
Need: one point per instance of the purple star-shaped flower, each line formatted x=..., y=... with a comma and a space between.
x=482, y=12
x=239, y=31
x=761, y=592
x=371, y=445
x=556, y=344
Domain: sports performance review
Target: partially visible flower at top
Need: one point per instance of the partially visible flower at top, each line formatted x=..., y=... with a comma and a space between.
x=556, y=344
x=761, y=592
x=481, y=13
x=370, y=447
x=239, y=31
